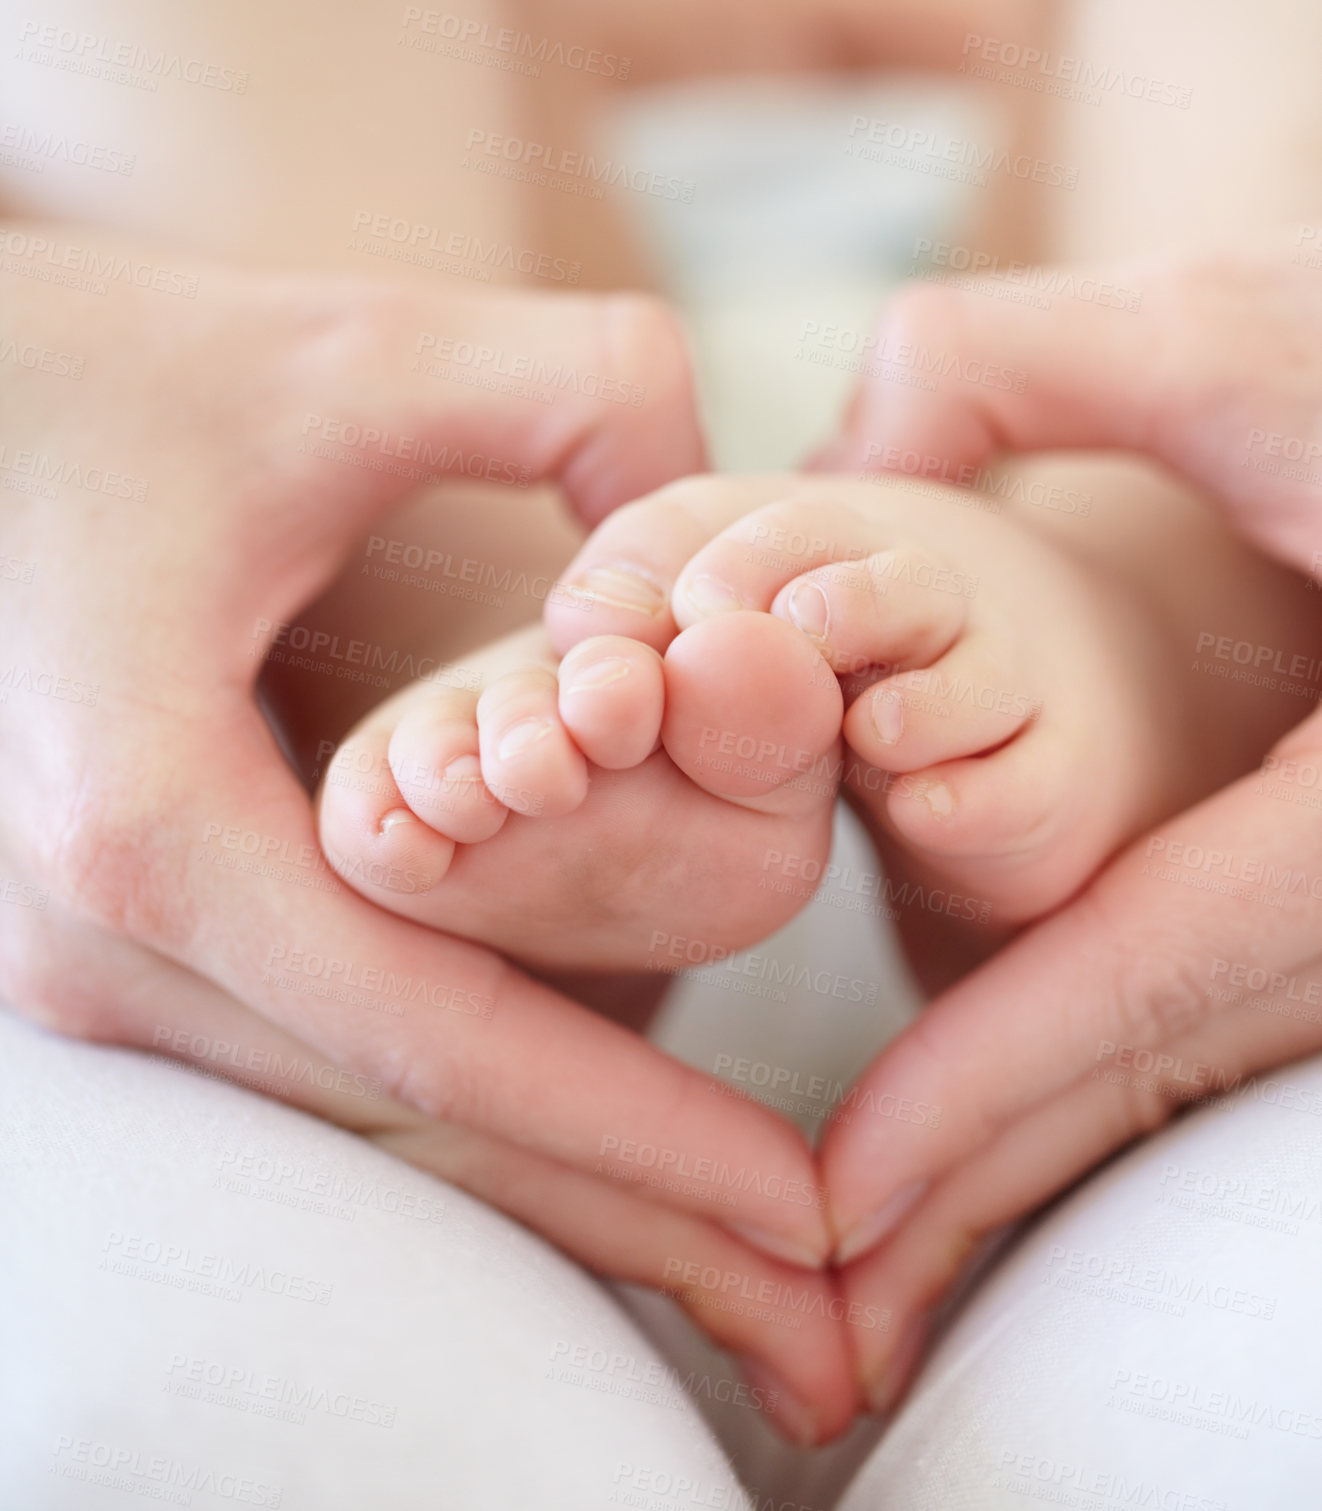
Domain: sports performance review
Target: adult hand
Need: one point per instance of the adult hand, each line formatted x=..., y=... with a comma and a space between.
x=163, y=518
x=1184, y=967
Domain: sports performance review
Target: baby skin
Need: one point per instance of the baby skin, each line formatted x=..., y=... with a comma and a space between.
x=647, y=781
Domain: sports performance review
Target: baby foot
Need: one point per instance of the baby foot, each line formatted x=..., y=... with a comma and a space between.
x=615, y=812
x=1013, y=717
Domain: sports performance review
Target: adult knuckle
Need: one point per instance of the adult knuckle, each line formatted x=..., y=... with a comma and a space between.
x=443, y=1090
x=1140, y=1108
x=1160, y=988
x=122, y=864
x=38, y=979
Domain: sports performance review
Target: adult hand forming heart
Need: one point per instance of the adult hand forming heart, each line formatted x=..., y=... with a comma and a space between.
x=136, y=620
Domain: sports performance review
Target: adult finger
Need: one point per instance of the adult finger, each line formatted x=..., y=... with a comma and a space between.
x=997, y=377
x=1207, y=364
x=1041, y=1154
x=595, y=392
x=1125, y=967
x=445, y=1026
x=781, y=1323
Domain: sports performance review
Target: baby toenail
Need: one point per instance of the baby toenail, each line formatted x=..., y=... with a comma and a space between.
x=621, y=588
x=464, y=768
x=600, y=674
x=809, y=609
x=888, y=715
x=709, y=595
x=940, y=800
x=394, y=819
x=518, y=737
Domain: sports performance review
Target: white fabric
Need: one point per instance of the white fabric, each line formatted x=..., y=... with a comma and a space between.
x=1151, y=1343
x=203, y=1291
x=206, y=1292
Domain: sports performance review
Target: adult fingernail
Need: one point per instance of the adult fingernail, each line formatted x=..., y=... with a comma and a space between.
x=709, y=595
x=622, y=588
x=887, y=715
x=809, y=609
x=599, y=674
x=885, y=1389
x=518, y=737
x=791, y=1250
x=794, y=1419
x=868, y=1233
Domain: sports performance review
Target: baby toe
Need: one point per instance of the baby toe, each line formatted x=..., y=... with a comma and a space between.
x=748, y=563
x=434, y=758
x=995, y=825
x=369, y=834
x=753, y=713
x=528, y=759
x=970, y=702
x=612, y=695
x=891, y=610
